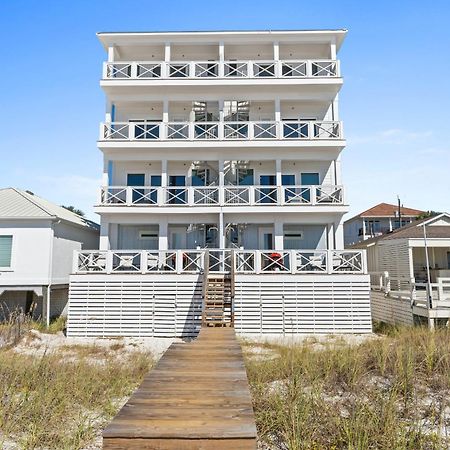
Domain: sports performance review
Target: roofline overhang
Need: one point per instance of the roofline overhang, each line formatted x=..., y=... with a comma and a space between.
x=108, y=38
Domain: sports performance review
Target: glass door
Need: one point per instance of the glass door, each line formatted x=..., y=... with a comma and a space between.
x=136, y=179
x=309, y=179
x=177, y=196
x=269, y=194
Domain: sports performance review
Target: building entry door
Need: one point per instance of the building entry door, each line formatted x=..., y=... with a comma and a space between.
x=266, y=238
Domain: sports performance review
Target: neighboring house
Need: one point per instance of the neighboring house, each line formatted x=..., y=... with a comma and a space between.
x=380, y=219
x=222, y=169
x=398, y=265
x=37, y=241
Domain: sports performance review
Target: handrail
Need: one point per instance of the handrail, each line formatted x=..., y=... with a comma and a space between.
x=148, y=70
x=315, y=130
x=223, y=195
x=224, y=261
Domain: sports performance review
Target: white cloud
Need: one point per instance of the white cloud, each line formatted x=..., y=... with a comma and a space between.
x=391, y=136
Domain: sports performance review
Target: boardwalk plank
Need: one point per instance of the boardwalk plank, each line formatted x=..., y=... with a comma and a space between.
x=197, y=397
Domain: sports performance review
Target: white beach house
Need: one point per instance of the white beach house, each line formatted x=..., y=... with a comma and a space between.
x=222, y=173
x=37, y=240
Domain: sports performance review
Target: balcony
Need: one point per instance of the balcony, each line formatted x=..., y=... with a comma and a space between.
x=148, y=196
x=221, y=131
x=238, y=261
x=202, y=70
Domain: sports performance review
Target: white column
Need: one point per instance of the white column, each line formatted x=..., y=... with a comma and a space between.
x=105, y=176
x=335, y=108
x=165, y=69
x=163, y=241
x=276, y=51
x=278, y=234
x=111, y=53
x=339, y=235
x=337, y=171
x=390, y=223
x=221, y=230
x=278, y=116
x=330, y=236
x=279, y=181
x=221, y=181
x=221, y=59
x=164, y=177
x=165, y=118
x=333, y=49
x=104, y=243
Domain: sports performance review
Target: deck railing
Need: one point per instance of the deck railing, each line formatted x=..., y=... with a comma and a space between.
x=220, y=260
x=228, y=131
x=149, y=70
x=221, y=195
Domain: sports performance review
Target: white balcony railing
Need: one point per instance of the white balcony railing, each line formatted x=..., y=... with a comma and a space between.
x=206, y=131
x=222, y=195
x=221, y=260
x=148, y=70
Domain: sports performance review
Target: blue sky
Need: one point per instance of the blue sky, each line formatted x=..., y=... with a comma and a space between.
x=395, y=101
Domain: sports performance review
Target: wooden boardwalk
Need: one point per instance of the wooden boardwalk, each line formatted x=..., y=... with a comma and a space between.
x=196, y=398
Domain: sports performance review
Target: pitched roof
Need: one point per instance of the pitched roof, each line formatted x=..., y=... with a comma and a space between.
x=18, y=204
x=415, y=230
x=387, y=210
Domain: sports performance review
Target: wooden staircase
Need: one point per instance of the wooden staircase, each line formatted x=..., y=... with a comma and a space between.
x=218, y=301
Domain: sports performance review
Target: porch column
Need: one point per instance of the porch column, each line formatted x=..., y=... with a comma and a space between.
x=278, y=117
x=278, y=234
x=339, y=235
x=221, y=231
x=330, y=236
x=221, y=165
x=165, y=118
x=107, y=164
x=279, y=181
x=163, y=241
x=333, y=49
x=337, y=170
x=164, y=173
x=111, y=53
x=104, y=243
x=221, y=59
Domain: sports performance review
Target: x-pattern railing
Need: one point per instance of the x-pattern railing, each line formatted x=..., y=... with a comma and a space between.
x=113, y=195
x=206, y=195
x=235, y=69
x=346, y=261
x=118, y=70
x=178, y=70
x=311, y=261
x=326, y=130
x=264, y=69
x=146, y=130
x=295, y=130
x=177, y=195
x=227, y=69
x=206, y=69
x=275, y=260
x=177, y=130
x=235, y=130
x=236, y=195
x=116, y=130
x=149, y=70
x=294, y=69
x=324, y=68
x=297, y=194
x=329, y=194
x=144, y=195
x=206, y=130
x=266, y=194
x=245, y=261
x=126, y=261
x=265, y=130
x=92, y=261
x=220, y=260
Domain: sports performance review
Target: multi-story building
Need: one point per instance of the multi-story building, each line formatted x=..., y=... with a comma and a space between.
x=380, y=219
x=231, y=142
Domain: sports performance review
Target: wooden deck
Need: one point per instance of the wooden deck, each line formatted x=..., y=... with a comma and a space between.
x=196, y=398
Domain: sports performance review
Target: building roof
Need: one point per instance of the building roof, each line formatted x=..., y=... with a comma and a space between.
x=437, y=227
x=109, y=38
x=18, y=204
x=387, y=210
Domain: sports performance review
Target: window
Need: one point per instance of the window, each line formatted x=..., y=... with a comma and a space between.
x=147, y=235
x=5, y=251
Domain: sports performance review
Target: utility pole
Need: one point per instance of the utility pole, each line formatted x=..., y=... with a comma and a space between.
x=399, y=212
